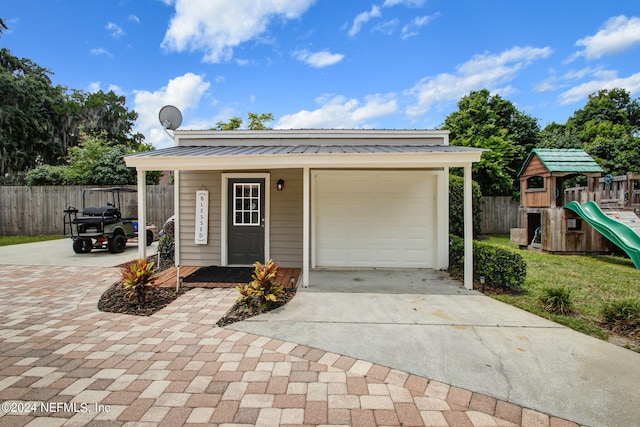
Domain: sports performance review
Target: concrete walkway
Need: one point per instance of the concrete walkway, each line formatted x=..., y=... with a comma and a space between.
x=63, y=362
x=432, y=327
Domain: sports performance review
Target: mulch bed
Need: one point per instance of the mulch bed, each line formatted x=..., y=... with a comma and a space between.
x=114, y=301
x=241, y=312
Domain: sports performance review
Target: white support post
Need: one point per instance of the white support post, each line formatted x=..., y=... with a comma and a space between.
x=468, y=229
x=306, y=222
x=142, y=214
x=176, y=225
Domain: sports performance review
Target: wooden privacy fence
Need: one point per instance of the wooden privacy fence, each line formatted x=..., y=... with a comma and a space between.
x=499, y=214
x=31, y=211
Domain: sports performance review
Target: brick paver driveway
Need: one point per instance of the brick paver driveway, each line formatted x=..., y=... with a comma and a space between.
x=63, y=362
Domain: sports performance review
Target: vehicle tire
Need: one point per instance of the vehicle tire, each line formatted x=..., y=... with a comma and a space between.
x=117, y=244
x=82, y=246
x=149, y=237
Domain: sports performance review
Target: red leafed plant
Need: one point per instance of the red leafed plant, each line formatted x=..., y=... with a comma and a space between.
x=264, y=288
x=138, y=279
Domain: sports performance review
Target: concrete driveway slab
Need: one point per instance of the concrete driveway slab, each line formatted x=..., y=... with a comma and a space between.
x=466, y=340
x=60, y=252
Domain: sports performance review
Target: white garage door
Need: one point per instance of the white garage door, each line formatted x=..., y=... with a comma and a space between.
x=375, y=219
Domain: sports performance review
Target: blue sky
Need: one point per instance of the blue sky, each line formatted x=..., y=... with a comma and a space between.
x=385, y=64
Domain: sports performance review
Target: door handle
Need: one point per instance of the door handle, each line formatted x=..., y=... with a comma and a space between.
x=262, y=223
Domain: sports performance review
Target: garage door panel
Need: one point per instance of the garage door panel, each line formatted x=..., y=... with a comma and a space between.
x=375, y=219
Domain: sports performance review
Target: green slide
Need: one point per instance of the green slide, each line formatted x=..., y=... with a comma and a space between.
x=617, y=232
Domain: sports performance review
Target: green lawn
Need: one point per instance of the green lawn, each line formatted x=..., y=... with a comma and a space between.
x=15, y=240
x=594, y=279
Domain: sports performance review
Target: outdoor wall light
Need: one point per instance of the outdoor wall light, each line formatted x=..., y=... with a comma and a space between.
x=280, y=184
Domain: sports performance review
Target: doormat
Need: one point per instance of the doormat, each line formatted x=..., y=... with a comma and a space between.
x=215, y=274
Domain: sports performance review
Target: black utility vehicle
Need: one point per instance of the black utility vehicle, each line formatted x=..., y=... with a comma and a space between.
x=102, y=227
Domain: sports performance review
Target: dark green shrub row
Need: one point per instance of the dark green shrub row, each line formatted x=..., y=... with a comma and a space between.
x=456, y=206
x=500, y=267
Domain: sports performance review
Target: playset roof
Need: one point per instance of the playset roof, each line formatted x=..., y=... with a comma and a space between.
x=563, y=160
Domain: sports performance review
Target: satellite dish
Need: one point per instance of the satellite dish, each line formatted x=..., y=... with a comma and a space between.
x=170, y=117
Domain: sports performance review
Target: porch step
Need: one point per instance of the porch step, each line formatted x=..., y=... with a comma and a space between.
x=288, y=278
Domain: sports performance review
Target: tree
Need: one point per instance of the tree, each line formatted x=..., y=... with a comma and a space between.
x=39, y=122
x=96, y=113
x=3, y=26
x=28, y=110
x=233, y=124
x=95, y=161
x=607, y=128
x=485, y=121
x=256, y=122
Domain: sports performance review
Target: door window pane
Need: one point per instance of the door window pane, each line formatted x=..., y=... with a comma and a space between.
x=246, y=204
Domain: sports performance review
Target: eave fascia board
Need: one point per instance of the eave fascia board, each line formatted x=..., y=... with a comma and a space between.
x=302, y=136
x=318, y=160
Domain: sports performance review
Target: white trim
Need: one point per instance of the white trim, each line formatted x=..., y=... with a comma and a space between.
x=306, y=220
x=224, y=255
x=442, y=232
x=468, y=229
x=142, y=214
x=176, y=217
x=311, y=136
x=318, y=160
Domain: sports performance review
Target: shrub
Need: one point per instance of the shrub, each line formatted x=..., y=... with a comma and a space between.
x=47, y=175
x=264, y=288
x=456, y=206
x=623, y=316
x=556, y=299
x=137, y=279
x=167, y=247
x=501, y=267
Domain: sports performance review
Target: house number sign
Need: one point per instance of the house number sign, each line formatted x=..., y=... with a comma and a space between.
x=202, y=216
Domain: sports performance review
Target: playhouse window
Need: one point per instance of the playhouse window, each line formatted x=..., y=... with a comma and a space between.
x=535, y=183
x=574, y=224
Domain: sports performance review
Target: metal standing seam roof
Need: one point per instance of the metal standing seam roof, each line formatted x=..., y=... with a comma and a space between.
x=235, y=150
x=563, y=160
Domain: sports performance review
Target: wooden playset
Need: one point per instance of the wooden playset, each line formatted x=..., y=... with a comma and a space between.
x=548, y=221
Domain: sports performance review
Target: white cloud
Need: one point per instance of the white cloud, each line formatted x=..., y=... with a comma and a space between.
x=618, y=34
x=115, y=30
x=97, y=86
x=410, y=3
x=318, y=59
x=555, y=82
x=604, y=80
x=216, y=27
x=338, y=112
x=412, y=28
x=100, y=51
x=184, y=92
x=387, y=27
x=134, y=18
x=362, y=19
x=481, y=71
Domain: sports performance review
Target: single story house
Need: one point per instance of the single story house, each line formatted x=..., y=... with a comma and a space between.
x=312, y=198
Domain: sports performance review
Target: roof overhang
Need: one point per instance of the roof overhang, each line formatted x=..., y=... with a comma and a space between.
x=312, y=156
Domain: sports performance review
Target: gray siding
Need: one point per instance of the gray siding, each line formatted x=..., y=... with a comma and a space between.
x=190, y=253
x=285, y=218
